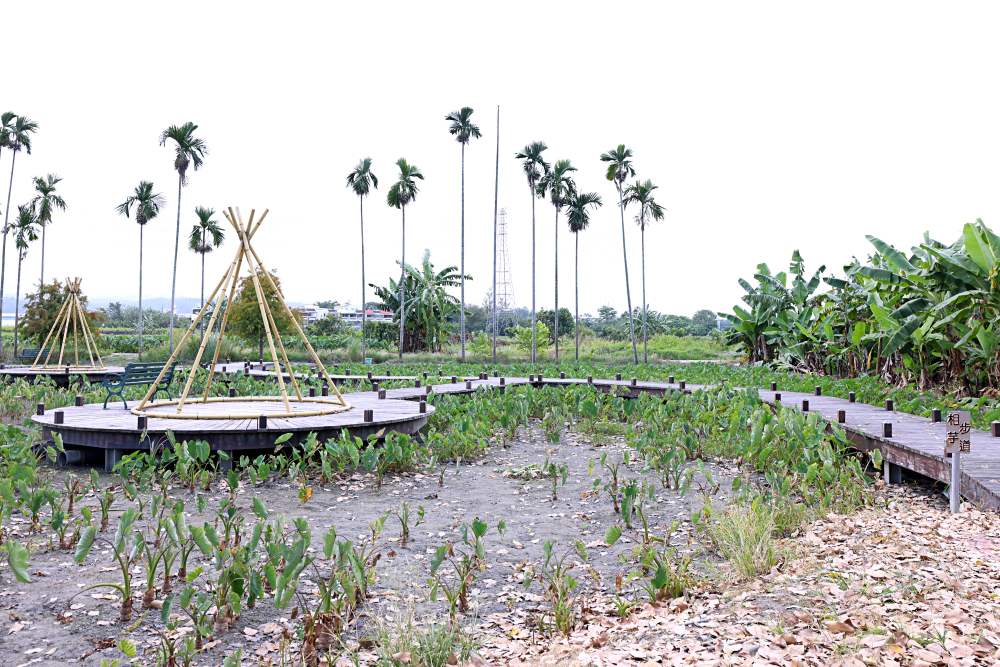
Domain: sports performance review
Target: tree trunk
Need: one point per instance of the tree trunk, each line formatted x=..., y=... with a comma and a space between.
x=576, y=278
x=364, y=309
x=140, y=291
x=17, y=298
x=6, y=230
x=555, y=313
x=202, y=323
x=628, y=289
x=534, y=333
x=402, y=290
x=41, y=277
x=645, y=332
x=461, y=262
x=173, y=280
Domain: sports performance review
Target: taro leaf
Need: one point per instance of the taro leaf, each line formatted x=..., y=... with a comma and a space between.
x=198, y=535
x=127, y=647
x=17, y=558
x=659, y=579
x=612, y=535
x=168, y=604
x=259, y=508
x=84, y=545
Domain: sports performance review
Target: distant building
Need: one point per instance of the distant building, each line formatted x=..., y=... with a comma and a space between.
x=313, y=313
x=352, y=316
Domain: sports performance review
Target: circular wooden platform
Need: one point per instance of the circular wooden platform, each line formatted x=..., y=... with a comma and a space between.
x=62, y=375
x=117, y=430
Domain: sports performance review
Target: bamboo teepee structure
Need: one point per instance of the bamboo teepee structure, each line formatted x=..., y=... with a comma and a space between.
x=220, y=301
x=71, y=315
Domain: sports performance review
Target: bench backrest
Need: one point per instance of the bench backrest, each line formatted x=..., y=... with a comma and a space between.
x=146, y=372
x=30, y=353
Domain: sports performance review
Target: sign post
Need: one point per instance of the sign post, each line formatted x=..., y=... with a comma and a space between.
x=958, y=439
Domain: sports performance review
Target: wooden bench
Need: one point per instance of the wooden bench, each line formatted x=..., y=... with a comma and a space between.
x=135, y=375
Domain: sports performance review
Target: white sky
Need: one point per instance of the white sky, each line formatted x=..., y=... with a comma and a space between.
x=767, y=126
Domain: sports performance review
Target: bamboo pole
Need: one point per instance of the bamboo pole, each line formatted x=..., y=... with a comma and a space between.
x=55, y=325
x=201, y=348
x=267, y=307
x=62, y=347
x=222, y=329
x=277, y=333
x=77, y=326
x=245, y=243
x=298, y=328
x=180, y=344
x=76, y=342
x=89, y=338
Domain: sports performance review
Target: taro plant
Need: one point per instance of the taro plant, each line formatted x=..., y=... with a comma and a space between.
x=402, y=514
x=556, y=474
x=127, y=546
x=553, y=574
x=610, y=487
x=465, y=559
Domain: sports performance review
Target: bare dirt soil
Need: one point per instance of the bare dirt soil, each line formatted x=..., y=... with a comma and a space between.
x=50, y=622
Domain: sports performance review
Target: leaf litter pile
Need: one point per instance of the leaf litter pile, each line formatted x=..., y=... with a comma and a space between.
x=903, y=583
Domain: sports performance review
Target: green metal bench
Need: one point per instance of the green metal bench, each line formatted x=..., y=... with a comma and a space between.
x=27, y=355
x=135, y=375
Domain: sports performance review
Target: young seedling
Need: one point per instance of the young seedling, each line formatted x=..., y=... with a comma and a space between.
x=465, y=562
x=104, y=501
x=611, y=486
x=72, y=487
x=556, y=473
x=402, y=514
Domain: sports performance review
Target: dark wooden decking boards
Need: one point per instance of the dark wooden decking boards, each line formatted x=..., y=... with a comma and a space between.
x=116, y=429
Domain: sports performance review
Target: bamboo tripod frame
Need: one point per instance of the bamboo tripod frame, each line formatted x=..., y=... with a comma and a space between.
x=226, y=289
x=70, y=313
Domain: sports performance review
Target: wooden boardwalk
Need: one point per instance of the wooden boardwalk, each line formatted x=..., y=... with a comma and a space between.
x=916, y=443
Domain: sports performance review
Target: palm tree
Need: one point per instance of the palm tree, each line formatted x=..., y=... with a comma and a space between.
x=641, y=193
x=559, y=185
x=206, y=236
x=24, y=234
x=464, y=130
x=46, y=201
x=620, y=169
x=15, y=135
x=578, y=218
x=535, y=167
x=147, y=206
x=362, y=180
x=402, y=192
x=189, y=151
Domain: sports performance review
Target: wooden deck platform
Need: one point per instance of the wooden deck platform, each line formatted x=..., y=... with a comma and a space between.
x=116, y=430
x=62, y=375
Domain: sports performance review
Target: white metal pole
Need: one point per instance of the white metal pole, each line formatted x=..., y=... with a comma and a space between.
x=954, y=492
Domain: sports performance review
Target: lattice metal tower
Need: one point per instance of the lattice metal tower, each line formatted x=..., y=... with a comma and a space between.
x=505, y=288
